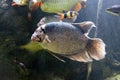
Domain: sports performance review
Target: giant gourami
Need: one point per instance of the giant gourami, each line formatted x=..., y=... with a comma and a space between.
x=70, y=41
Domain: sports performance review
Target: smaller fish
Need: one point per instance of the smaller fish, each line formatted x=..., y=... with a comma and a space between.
x=68, y=14
x=19, y=2
x=34, y=4
x=57, y=6
x=115, y=10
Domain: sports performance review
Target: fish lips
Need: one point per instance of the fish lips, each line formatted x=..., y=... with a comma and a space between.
x=114, y=12
x=114, y=9
x=38, y=38
x=110, y=9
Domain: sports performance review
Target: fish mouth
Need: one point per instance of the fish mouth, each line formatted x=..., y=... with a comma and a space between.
x=38, y=35
x=38, y=38
x=112, y=12
x=109, y=10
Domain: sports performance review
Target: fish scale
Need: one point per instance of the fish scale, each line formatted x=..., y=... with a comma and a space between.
x=55, y=32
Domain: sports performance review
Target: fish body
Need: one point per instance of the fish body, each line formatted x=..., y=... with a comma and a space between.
x=19, y=2
x=68, y=14
x=115, y=10
x=56, y=6
x=70, y=41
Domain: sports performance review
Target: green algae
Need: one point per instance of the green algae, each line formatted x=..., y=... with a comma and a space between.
x=114, y=77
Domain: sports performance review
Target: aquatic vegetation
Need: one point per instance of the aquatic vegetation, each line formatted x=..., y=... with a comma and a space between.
x=106, y=71
x=114, y=77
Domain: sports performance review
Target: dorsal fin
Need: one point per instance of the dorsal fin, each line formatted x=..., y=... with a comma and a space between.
x=41, y=22
x=85, y=26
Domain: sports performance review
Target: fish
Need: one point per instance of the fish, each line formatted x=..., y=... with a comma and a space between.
x=57, y=6
x=34, y=4
x=55, y=18
x=19, y=2
x=68, y=14
x=70, y=41
x=115, y=10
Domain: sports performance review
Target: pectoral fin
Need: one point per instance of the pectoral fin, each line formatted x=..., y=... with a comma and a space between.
x=47, y=39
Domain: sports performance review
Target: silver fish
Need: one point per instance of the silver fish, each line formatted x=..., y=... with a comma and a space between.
x=115, y=10
x=70, y=40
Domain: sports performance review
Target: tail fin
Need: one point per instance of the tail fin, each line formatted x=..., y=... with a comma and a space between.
x=78, y=7
x=96, y=48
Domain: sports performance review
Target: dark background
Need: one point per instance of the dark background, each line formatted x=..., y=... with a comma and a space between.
x=16, y=30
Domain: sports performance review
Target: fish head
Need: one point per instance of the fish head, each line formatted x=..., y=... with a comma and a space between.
x=39, y=34
x=115, y=10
